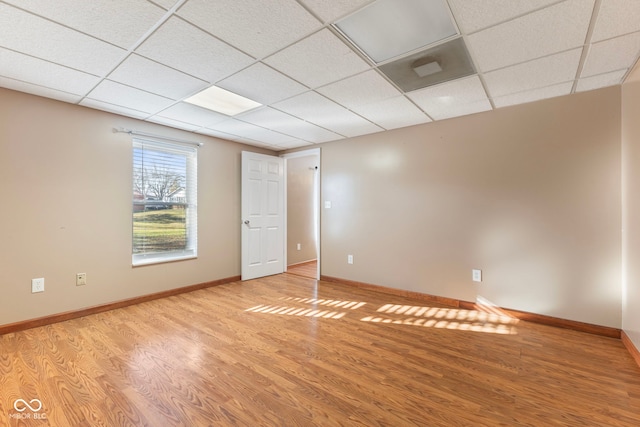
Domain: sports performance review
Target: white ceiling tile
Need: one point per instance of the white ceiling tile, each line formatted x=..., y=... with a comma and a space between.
x=539, y=73
x=316, y=134
x=602, y=80
x=103, y=19
x=254, y=143
x=259, y=144
x=360, y=89
x=294, y=144
x=319, y=110
x=173, y=123
x=42, y=73
x=234, y=138
x=167, y=4
x=38, y=90
x=306, y=106
x=458, y=110
x=466, y=90
x=612, y=55
x=289, y=125
x=125, y=96
x=317, y=60
x=232, y=127
x=330, y=10
x=456, y=98
x=216, y=134
x=148, y=75
x=349, y=125
x=184, y=47
x=616, y=18
x=192, y=114
x=550, y=30
x=475, y=15
x=262, y=84
x=270, y=118
x=275, y=138
x=256, y=27
x=392, y=113
x=247, y=130
x=117, y=109
x=533, y=95
x=20, y=31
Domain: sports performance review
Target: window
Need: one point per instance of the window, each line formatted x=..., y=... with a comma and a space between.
x=164, y=202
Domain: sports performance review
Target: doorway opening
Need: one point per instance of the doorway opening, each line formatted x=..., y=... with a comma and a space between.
x=302, y=213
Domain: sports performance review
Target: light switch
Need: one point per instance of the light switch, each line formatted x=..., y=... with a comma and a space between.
x=476, y=275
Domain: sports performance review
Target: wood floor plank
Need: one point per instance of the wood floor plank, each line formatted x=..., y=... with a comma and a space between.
x=307, y=269
x=289, y=350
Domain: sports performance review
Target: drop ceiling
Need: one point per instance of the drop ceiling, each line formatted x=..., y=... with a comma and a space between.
x=143, y=58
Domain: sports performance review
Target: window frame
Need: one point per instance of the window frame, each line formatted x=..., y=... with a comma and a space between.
x=190, y=152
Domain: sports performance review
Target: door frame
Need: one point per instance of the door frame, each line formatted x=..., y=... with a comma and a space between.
x=317, y=199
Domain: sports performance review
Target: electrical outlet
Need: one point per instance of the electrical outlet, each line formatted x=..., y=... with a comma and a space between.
x=298, y=247
x=37, y=285
x=349, y=259
x=81, y=279
x=476, y=275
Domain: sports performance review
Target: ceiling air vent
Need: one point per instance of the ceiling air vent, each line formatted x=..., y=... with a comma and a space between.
x=439, y=64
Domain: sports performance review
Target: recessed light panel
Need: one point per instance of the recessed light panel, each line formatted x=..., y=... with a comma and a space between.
x=447, y=61
x=222, y=101
x=389, y=28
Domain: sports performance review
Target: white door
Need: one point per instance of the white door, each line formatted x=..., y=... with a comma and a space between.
x=262, y=215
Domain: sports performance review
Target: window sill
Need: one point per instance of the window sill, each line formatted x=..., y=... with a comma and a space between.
x=161, y=260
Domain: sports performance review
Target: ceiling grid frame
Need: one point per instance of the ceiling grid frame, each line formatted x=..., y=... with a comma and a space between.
x=587, y=75
x=587, y=44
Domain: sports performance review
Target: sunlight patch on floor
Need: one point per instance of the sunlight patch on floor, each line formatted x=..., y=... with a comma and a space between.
x=431, y=317
x=325, y=308
x=296, y=311
x=445, y=318
x=352, y=305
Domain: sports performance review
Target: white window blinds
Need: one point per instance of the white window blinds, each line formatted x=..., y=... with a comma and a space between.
x=164, y=202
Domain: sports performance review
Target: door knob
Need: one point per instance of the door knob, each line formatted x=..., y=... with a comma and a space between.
x=246, y=222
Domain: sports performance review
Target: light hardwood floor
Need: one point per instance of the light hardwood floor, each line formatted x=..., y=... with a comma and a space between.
x=289, y=351
x=306, y=269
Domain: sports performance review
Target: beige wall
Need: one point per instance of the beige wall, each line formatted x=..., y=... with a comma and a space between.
x=529, y=194
x=300, y=223
x=65, y=181
x=631, y=206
